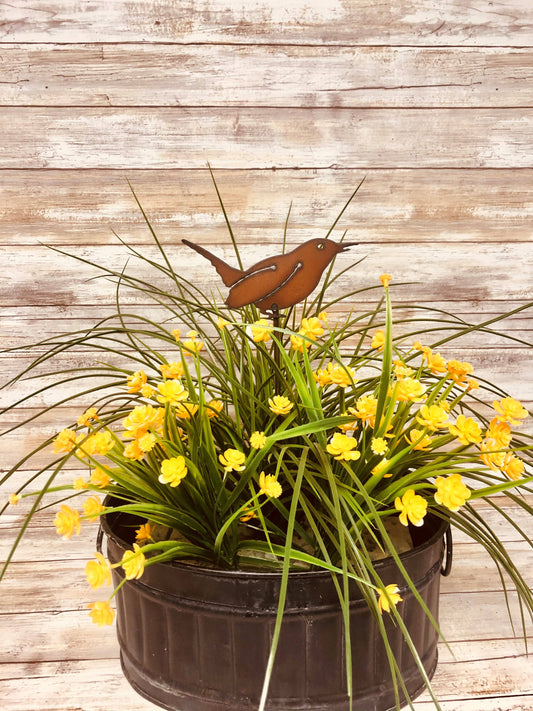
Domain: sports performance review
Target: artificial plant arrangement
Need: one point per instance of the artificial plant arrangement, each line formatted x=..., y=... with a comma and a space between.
x=249, y=438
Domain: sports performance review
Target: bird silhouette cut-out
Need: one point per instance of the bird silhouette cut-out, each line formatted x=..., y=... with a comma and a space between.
x=276, y=282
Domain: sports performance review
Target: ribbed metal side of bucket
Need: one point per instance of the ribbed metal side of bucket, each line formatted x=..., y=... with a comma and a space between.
x=194, y=639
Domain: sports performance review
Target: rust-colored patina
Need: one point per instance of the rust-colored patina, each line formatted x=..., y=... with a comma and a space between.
x=276, y=282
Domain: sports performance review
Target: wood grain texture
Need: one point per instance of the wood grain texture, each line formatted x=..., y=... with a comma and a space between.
x=251, y=75
x=431, y=100
x=163, y=138
x=470, y=275
x=419, y=22
x=68, y=207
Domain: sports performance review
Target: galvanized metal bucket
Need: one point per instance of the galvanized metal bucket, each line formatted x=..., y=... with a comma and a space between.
x=196, y=639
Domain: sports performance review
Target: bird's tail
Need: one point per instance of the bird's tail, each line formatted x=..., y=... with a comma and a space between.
x=229, y=274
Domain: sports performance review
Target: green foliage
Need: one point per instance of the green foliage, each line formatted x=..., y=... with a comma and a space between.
x=384, y=427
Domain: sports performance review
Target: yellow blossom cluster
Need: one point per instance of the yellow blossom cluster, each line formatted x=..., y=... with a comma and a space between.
x=387, y=597
x=335, y=374
x=173, y=470
x=311, y=329
x=280, y=405
x=142, y=425
x=232, y=460
x=269, y=485
x=508, y=411
x=193, y=345
x=342, y=447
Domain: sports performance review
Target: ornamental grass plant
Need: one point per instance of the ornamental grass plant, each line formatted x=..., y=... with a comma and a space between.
x=305, y=444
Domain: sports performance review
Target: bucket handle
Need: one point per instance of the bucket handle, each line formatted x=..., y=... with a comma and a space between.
x=448, y=547
x=99, y=539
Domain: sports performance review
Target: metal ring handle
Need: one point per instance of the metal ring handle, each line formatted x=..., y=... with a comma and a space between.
x=99, y=539
x=447, y=568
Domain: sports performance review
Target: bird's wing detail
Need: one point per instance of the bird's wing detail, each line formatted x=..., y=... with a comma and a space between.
x=259, y=285
x=230, y=275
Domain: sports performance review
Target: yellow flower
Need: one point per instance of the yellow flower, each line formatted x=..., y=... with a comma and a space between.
x=171, y=391
x=380, y=466
x=490, y=454
x=101, y=613
x=185, y=410
x=385, y=279
x=232, y=460
x=92, y=508
x=261, y=330
x=145, y=533
x=79, y=484
x=401, y=370
x=432, y=416
x=257, y=440
x=248, y=514
x=451, y=492
x=458, y=371
x=348, y=426
x=323, y=377
x=193, y=345
x=311, y=327
x=143, y=418
x=100, y=478
x=500, y=432
x=65, y=441
x=173, y=470
x=512, y=465
x=176, y=333
x=98, y=572
x=148, y=391
x=298, y=343
x=436, y=363
x=472, y=384
x=342, y=447
x=510, y=410
x=136, y=381
x=269, y=486
x=88, y=416
x=14, y=499
x=341, y=375
x=222, y=322
x=133, y=450
x=323, y=316
x=466, y=430
x=147, y=442
x=365, y=409
x=67, y=522
x=133, y=563
x=172, y=370
x=378, y=445
x=409, y=390
x=388, y=597
x=280, y=405
x=100, y=442
x=214, y=408
x=422, y=442
x=378, y=340
x=412, y=508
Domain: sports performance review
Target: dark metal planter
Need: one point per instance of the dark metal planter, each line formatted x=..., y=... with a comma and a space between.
x=195, y=639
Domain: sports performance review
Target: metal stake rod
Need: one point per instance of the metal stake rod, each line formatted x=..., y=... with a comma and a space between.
x=277, y=356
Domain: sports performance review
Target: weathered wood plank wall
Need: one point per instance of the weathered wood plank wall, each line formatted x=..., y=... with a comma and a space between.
x=431, y=100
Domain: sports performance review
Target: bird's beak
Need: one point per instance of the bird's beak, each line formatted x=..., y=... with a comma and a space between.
x=347, y=245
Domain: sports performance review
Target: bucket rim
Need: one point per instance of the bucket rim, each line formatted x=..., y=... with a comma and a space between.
x=212, y=572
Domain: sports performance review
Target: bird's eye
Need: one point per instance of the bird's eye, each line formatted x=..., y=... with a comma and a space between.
x=320, y=245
